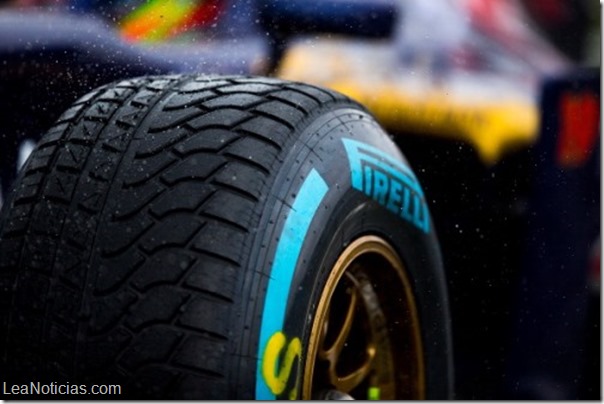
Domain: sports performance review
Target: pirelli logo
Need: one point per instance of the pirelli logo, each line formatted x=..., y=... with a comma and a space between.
x=388, y=181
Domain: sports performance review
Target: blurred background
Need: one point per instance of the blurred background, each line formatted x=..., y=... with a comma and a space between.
x=495, y=103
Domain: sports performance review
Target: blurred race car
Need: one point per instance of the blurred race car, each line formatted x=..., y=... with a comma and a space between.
x=500, y=128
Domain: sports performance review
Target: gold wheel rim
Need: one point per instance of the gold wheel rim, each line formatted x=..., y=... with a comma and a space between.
x=366, y=342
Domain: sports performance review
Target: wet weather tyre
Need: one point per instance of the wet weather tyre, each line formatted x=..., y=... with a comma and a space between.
x=221, y=237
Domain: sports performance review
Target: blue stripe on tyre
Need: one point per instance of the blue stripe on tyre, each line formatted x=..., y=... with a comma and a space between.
x=288, y=250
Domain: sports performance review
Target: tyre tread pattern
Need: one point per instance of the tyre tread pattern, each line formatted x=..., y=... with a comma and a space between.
x=136, y=178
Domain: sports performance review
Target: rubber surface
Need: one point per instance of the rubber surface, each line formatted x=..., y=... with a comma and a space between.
x=136, y=246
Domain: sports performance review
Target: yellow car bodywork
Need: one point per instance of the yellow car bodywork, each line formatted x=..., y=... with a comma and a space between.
x=490, y=112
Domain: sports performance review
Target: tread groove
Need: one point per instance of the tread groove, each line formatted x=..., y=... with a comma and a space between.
x=212, y=254
x=256, y=136
x=235, y=190
x=249, y=162
x=282, y=121
x=224, y=221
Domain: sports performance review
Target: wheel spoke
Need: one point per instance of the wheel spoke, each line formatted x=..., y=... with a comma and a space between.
x=348, y=382
x=332, y=353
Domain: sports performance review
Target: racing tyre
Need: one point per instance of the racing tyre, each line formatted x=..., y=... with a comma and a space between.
x=221, y=237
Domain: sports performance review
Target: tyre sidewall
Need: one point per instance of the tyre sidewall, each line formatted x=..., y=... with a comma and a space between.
x=343, y=215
